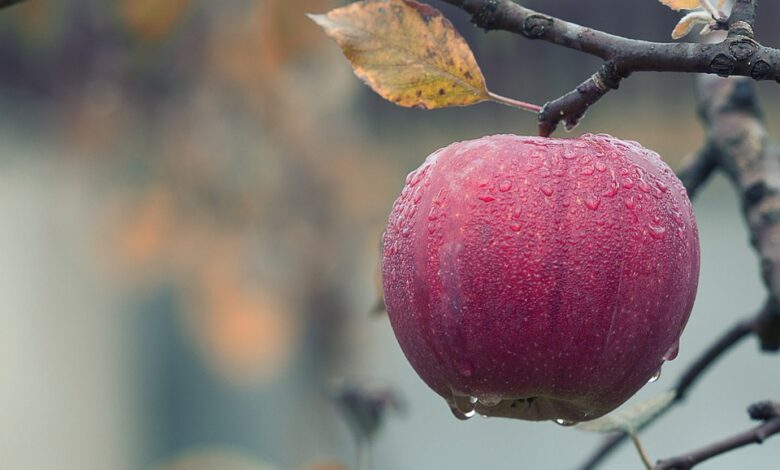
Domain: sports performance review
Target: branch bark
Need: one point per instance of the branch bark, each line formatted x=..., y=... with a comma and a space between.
x=738, y=55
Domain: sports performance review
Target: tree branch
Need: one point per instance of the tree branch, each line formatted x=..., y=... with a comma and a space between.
x=738, y=55
x=8, y=3
x=766, y=411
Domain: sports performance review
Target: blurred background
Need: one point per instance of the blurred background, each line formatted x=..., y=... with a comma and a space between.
x=191, y=199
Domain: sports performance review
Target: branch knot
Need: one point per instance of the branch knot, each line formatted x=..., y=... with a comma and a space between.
x=486, y=16
x=536, y=25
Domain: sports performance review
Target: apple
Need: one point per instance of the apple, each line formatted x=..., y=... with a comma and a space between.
x=539, y=278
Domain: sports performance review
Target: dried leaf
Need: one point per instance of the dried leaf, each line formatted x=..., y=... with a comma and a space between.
x=688, y=21
x=632, y=418
x=678, y=5
x=408, y=52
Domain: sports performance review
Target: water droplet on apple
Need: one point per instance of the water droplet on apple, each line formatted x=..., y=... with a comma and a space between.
x=655, y=376
x=546, y=190
x=601, y=166
x=515, y=227
x=587, y=170
x=612, y=191
x=490, y=401
x=564, y=422
x=462, y=406
x=487, y=198
x=671, y=354
x=592, y=203
x=505, y=186
x=628, y=183
x=465, y=368
x=656, y=231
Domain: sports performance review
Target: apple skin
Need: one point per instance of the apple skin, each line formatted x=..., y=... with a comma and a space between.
x=539, y=278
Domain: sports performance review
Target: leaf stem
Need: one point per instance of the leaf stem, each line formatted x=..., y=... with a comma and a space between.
x=716, y=14
x=534, y=108
x=641, y=449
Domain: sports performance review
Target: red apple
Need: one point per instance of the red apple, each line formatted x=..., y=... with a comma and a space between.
x=539, y=278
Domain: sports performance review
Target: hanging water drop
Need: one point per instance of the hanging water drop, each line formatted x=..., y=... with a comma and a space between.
x=672, y=352
x=489, y=401
x=655, y=376
x=564, y=422
x=463, y=406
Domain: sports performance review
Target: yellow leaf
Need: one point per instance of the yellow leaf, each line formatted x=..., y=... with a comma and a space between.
x=681, y=4
x=408, y=52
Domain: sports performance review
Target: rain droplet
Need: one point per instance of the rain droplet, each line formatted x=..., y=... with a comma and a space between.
x=671, y=354
x=546, y=190
x=486, y=198
x=601, y=166
x=564, y=422
x=490, y=401
x=463, y=406
x=628, y=183
x=460, y=414
x=515, y=227
x=644, y=187
x=592, y=203
x=661, y=186
x=612, y=191
x=505, y=186
x=630, y=204
x=656, y=231
x=465, y=368
x=655, y=376
x=587, y=170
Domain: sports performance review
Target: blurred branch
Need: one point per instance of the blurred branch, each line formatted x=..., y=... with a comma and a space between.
x=768, y=412
x=8, y=3
x=737, y=55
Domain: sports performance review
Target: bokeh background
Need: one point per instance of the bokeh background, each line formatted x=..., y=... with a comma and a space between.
x=191, y=198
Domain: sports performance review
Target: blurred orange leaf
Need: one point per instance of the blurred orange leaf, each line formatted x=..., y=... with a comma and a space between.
x=682, y=4
x=407, y=52
x=152, y=19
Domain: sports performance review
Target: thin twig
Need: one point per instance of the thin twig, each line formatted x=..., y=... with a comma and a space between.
x=756, y=435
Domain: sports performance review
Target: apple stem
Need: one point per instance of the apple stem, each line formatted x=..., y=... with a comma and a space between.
x=534, y=108
x=641, y=449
